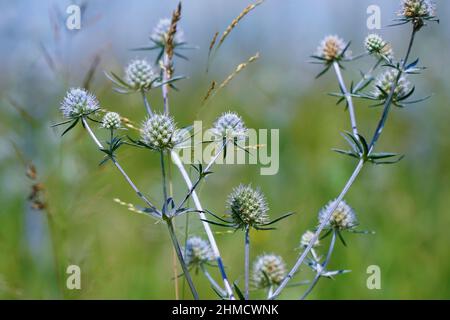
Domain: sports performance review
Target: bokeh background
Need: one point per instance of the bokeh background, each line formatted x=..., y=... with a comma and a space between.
x=125, y=255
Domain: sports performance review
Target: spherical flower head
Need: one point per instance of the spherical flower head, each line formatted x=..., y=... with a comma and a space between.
x=198, y=252
x=332, y=48
x=111, y=120
x=248, y=207
x=161, y=33
x=306, y=239
x=160, y=132
x=78, y=102
x=374, y=44
x=268, y=270
x=343, y=218
x=417, y=9
x=229, y=126
x=386, y=81
x=139, y=74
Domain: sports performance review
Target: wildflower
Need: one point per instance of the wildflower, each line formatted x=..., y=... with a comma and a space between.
x=159, y=132
x=268, y=270
x=139, y=74
x=306, y=239
x=78, y=102
x=161, y=32
x=413, y=9
x=374, y=44
x=332, y=48
x=343, y=217
x=386, y=81
x=229, y=126
x=111, y=120
x=198, y=252
x=248, y=207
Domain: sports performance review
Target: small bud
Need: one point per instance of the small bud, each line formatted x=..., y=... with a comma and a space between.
x=248, y=207
x=159, y=132
x=161, y=32
x=374, y=44
x=306, y=239
x=386, y=81
x=229, y=126
x=78, y=102
x=111, y=120
x=139, y=74
x=198, y=252
x=343, y=217
x=331, y=48
x=268, y=270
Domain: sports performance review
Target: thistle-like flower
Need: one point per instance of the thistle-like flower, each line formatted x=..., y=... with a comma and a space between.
x=417, y=9
x=332, y=48
x=159, y=132
x=268, y=270
x=306, y=239
x=375, y=45
x=77, y=103
x=229, y=126
x=343, y=218
x=161, y=32
x=139, y=75
x=248, y=207
x=385, y=82
x=111, y=120
x=198, y=252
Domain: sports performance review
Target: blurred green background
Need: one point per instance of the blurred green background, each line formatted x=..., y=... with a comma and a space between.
x=125, y=255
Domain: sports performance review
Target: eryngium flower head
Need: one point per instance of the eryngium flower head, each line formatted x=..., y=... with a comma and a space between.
x=248, y=207
x=386, y=81
x=374, y=44
x=160, y=33
x=268, y=270
x=111, y=120
x=198, y=252
x=417, y=9
x=159, y=132
x=306, y=239
x=78, y=102
x=139, y=74
x=229, y=126
x=343, y=218
x=332, y=48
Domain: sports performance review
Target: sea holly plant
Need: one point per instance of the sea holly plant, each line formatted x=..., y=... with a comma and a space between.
x=387, y=83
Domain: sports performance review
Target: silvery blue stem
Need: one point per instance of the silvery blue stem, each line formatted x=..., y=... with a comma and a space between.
x=213, y=282
x=355, y=173
x=176, y=245
x=247, y=261
x=116, y=163
x=165, y=86
x=348, y=97
x=177, y=161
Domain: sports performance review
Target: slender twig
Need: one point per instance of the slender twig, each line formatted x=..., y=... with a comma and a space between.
x=323, y=267
x=367, y=76
x=119, y=167
x=213, y=282
x=146, y=103
x=163, y=173
x=176, y=245
x=206, y=226
x=348, y=97
x=247, y=261
x=350, y=181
